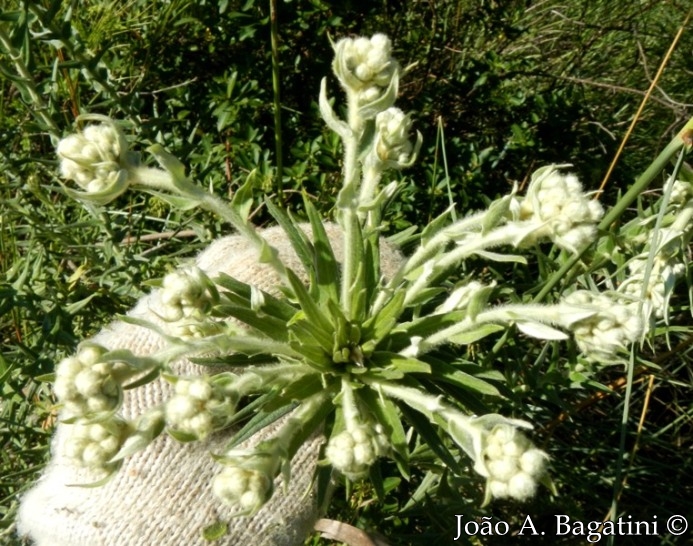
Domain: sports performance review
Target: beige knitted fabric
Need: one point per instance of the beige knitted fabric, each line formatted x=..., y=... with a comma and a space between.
x=162, y=496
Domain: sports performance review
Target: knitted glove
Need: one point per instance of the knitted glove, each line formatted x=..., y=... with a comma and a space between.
x=162, y=495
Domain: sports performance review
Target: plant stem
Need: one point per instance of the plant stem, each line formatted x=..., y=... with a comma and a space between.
x=276, y=86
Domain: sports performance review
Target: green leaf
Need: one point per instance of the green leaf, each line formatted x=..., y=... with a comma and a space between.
x=450, y=374
x=380, y=325
x=261, y=420
x=326, y=266
x=430, y=436
x=308, y=305
x=147, y=428
x=144, y=379
x=215, y=531
x=497, y=211
x=388, y=415
x=273, y=306
x=273, y=327
x=168, y=162
x=501, y=258
x=400, y=363
x=425, y=326
x=175, y=201
x=475, y=334
x=242, y=200
x=182, y=437
x=540, y=331
x=299, y=241
x=75, y=307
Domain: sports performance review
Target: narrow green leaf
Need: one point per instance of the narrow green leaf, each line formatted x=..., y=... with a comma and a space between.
x=378, y=326
x=242, y=200
x=451, y=374
x=475, y=334
x=309, y=306
x=299, y=241
x=272, y=306
x=326, y=266
x=168, y=161
x=398, y=362
x=430, y=436
x=261, y=420
x=265, y=323
x=497, y=211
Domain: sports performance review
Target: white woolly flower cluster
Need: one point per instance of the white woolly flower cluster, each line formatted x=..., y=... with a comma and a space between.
x=246, y=488
x=93, y=445
x=681, y=192
x=94, y=160
x=355, y=449
x=511, y=463
x=565, y=214
x=611, y=328
x=661, y=281
x=365, y=66
x=84, y=384
x=197, y=408
x=185, y=294
x=392, y=142
x=247, y=480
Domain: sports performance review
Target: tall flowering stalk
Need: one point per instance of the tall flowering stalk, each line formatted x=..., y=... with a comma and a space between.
x=353, y=353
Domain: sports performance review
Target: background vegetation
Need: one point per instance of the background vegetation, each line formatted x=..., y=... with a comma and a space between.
x=498, y=89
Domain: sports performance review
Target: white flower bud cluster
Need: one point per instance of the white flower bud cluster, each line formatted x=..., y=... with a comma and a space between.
x=365, y=66
x=611, y=328
x=93, y=445
x=660, y=283
x=392, y=142
x=246, y=488
x=512, y=463
x=557, y=202
x=197, y=407
x=85, y=384
x=92, y=159
x=681, y=192
x=354, y=450
x=185, y=295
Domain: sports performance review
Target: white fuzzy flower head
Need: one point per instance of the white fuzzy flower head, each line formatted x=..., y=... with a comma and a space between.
x=93, y=445
x=353, y=451
x=659, y=288
x=511, y=463
x=84, y=384
x=185, y=294
x=611, y=328
x=97, y=160
x=198, y=408
x=365, y=66
x=247, y=481
x=681, y=192
x=562, y=211
x=245, y=488
x=392, y=144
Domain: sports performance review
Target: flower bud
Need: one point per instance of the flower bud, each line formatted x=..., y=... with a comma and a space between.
x=365, y=67
x=98, y=161
x=560, y=208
